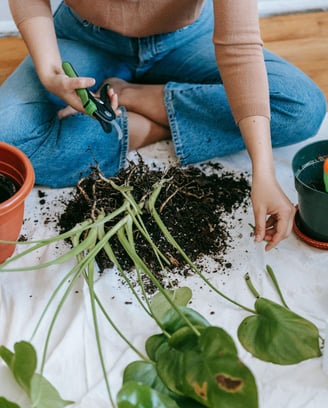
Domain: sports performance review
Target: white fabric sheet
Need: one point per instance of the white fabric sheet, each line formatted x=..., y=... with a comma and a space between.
x=72, y=362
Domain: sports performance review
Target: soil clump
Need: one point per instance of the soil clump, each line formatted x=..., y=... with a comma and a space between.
x=197, y=205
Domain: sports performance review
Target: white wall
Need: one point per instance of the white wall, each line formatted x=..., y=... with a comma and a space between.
x=6, y=23
x=266, y=7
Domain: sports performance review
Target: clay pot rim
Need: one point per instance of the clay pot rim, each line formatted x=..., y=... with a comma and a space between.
x=27, y=185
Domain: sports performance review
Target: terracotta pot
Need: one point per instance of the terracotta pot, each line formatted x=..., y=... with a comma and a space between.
x=312, y=199
x=14, y=165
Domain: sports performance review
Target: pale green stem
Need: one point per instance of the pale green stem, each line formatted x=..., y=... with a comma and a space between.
x=75, y=270
x=42, y=243
x=74, y=252
x=138, y=262
x=104, y=238
x=276, y=285
x=89, y=276
x=53, y=296
x=129, y=233
x=110, y=253
x=117, y=330
x=136, y=213
x=93, y=236
x=251, y=287
x=173, y=242
x=159, y=255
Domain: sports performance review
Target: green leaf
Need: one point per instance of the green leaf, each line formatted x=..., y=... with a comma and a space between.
x=22, y=363
x=4, y=403
x=278, y=335
x=170, y=368
x=155, y=345
x=43, y=394
x=185, y=338
x=146, y=373
x=215, y=342
x=179, y=297
x=136, y=395
x=210, y=373
x=6, y=355
x=173, y=321
x=222, y=382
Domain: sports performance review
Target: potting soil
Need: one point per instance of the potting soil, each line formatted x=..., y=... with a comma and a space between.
x=197, y=205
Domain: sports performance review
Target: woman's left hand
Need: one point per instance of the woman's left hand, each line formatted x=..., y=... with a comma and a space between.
x=273, y=211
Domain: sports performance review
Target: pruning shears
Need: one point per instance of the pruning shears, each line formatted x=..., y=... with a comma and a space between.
x=100, y=108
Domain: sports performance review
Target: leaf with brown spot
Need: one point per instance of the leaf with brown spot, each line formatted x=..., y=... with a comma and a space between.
x=228, y=383
x=207, y=369
x=201, y=390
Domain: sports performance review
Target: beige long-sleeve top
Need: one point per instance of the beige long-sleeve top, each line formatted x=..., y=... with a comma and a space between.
x=236, y=37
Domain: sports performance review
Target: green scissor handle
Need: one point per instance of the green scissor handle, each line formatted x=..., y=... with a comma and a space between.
x=89, y=106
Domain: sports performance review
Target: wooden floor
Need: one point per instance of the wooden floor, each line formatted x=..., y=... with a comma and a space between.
x=301, y=38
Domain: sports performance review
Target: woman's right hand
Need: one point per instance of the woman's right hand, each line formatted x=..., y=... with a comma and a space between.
x=64, y=87
x=40, y=38
x=70, y=110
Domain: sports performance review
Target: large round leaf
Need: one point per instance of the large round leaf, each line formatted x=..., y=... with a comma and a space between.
x=146, y=373
x=278, y=335
x=170, y=366
x=215, y=342
x=22, y=363
x=136, y=395
x=210, y=373
x=179, y=297
x=185, y=338
x=155, y=345
x=173, y=320
x=45, y=395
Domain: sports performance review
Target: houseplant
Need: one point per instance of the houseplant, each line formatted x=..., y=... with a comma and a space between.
x=311, y=221
x=167, y=373
x=16, y=182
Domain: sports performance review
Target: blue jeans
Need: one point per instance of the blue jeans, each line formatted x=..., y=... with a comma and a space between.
x=200, y=119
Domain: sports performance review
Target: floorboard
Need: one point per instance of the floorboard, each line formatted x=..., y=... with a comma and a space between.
x=301, y=38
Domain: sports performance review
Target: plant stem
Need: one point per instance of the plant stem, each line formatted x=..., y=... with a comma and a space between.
x=92, y=236
x=117, y=330
x=251, y=287
x=139, y=263
x=172, y=241
x=89, y=276
x=110, y=253
x=276, y=285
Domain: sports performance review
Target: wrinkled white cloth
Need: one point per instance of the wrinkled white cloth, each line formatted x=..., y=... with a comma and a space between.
x=72, y=362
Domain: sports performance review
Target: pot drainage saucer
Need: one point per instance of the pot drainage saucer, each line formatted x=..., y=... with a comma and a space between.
x=297, y=228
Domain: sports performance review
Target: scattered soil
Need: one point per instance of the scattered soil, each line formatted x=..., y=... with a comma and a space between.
x=197, y=205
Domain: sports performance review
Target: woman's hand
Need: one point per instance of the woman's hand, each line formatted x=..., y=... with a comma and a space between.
x=71, y=110
x=273, y=211
x=65, y=88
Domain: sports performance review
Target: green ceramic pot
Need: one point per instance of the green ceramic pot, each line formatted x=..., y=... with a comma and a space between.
x=312, y=199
